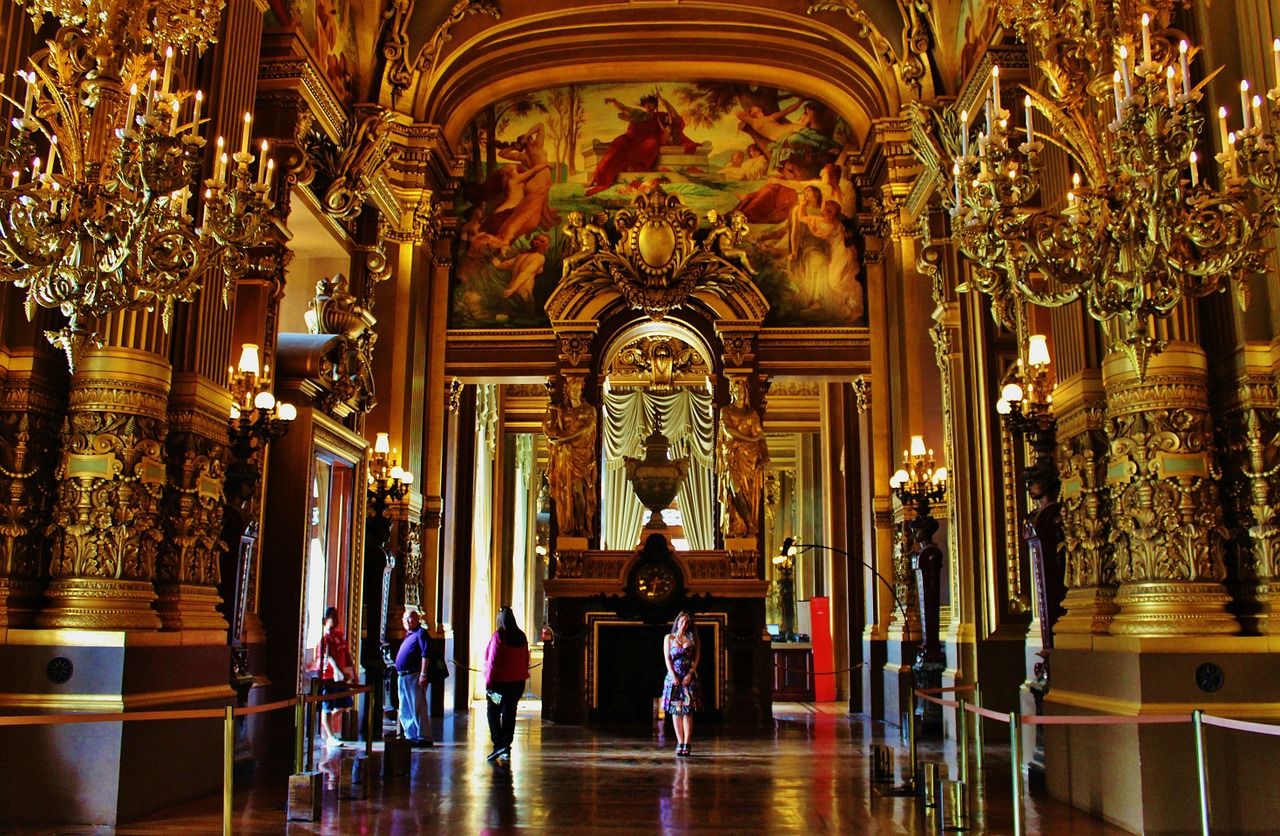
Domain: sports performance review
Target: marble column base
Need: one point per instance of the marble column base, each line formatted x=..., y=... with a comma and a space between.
x=1143, y=777
x=108, y=773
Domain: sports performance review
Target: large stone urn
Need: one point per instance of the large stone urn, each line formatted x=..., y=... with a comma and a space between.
x=656, y=478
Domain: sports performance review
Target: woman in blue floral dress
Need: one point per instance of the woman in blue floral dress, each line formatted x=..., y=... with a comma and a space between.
x=681, y=693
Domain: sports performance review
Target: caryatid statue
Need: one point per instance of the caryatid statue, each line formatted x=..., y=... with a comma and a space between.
x=741, y=455
x=571, y=434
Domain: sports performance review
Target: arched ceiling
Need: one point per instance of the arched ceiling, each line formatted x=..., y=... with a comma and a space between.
x=827, y=55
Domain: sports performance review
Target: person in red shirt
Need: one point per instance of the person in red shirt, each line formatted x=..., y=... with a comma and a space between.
x=337, y=673
x=506, y=669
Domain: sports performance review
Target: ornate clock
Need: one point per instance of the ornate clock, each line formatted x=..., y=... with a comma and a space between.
x=655, y=583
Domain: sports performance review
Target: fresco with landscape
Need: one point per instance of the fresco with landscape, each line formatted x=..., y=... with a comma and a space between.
x=774, y=156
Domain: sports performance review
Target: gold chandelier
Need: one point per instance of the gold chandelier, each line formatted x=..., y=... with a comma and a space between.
x=105, y=165
x=1140, y=230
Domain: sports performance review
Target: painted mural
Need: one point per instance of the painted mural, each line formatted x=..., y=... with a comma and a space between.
x=776, y=157
x=329, y=28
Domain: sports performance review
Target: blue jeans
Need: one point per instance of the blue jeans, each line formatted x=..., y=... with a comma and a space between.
x=413, y=699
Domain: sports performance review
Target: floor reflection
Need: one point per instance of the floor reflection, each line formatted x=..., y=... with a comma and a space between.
x=806, y=773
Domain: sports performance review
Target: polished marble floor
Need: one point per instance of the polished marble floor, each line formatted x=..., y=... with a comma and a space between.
x=807, y=774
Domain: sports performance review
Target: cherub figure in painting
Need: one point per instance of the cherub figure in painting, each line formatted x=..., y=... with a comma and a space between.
x=588, y=238
x=724, y=238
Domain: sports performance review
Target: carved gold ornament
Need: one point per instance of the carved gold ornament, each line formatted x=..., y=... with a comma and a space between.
x=652, y=256
x=1139, y=231
x=104, y=165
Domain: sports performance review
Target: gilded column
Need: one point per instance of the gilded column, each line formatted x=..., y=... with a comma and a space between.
x=1079, y=405
x=1248, y=432
x=1167, y=520
x=31, y=408
x=187, y=572
x=111, y=478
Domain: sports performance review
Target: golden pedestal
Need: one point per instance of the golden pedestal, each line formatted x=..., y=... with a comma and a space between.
x=1089, y=610
x=1167, y=608
x=189, y=607
x=99, y=604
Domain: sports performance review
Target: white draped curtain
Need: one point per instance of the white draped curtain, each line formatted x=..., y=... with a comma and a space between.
x=688, y=422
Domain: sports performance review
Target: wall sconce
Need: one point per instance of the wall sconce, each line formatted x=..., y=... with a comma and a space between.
x=918, y=484
x=1026, y=408
x=388, y=482
x=785, y=563
x=256, y=415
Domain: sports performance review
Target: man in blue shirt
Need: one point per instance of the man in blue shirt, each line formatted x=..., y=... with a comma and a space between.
x=411, y=664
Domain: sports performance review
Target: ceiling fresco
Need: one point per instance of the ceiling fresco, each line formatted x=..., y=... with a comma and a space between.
x=776, y=157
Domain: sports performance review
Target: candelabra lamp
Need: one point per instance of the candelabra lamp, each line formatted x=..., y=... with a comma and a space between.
x=1025, y=407
x=918, y=485
x=104, y=166
x=785, y=565
x=388, y=484
x=257, y=418
x=1140, y=230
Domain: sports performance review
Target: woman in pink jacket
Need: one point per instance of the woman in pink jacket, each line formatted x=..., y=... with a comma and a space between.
x=506, y=668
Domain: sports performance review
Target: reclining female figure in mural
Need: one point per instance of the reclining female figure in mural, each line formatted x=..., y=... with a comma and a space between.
x=741, y=455
x=638, y=148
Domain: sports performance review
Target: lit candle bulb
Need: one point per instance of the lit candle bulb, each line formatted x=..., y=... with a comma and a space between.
x=1222, y=126
x=31, y=94
x=1195, y=168
x=1275, y=59
x=226, y=169
x=1244, y=104
x=53, y=153
x=1146, y=38
x=995, y=86
x=262, y=163
x=1168, y=82
x=1115, y=88
x=1124, y=71
x=218, y=158
x=168, y=68
x=955, y=177
x=1026, y=105
x=964, y=131
x=195, y=116
x=248, y=129
x=1257, y=112
x=1183, y=46
x=16, y=177
x=1075, y=180
x=35, y=169
x=133, y=103
x=151, y=94
x=271, y=172
x=1231, y=154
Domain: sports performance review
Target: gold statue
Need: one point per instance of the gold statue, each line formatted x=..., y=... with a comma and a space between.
x=741, y=455
x=571, y=433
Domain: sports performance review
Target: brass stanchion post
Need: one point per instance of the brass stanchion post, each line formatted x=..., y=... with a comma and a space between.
x=911, y=744
x=1015, y=764
x=313, y=709
x=368, y=732
x=979, y=740
x=1197, y=723
x=228, y=765
x=299, y=732
x=962, y=735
